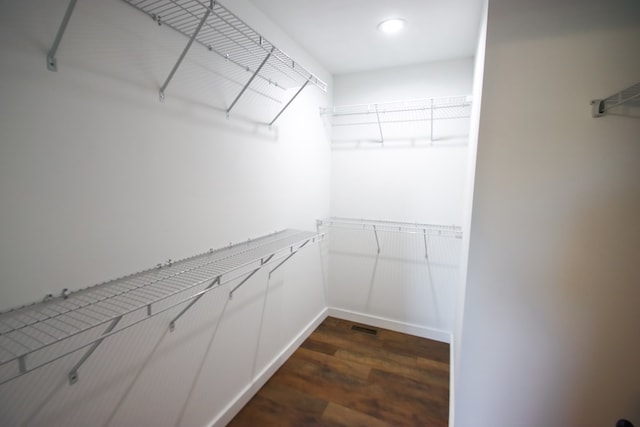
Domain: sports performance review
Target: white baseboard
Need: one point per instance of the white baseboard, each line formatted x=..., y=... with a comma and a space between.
x=232, y=409
x=394, y=325
x=452, y=382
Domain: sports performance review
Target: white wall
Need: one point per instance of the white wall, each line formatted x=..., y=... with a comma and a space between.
x=428, y=80
x=550, y=333
x=406, y=182
x=402, y=180
x=478, y=78
x=99, y=179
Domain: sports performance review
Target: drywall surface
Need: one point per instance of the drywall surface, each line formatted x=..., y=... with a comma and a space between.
x=403, y=180
x=428, y=80
x=408, y=180
x=478, y=76
x=550, y=330
x=99, y=179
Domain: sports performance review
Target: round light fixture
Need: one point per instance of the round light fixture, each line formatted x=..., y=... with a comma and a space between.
x=392, y=26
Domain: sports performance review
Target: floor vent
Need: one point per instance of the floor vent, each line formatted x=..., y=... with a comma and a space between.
x=364, y=330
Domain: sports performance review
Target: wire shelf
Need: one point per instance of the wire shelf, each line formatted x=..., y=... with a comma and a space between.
x=393, y=226
x=214, y=27
x=231, y=38
x=382, y=115
x=30, y=335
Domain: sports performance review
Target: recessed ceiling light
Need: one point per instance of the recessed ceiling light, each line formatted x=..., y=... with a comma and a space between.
x=392, y=26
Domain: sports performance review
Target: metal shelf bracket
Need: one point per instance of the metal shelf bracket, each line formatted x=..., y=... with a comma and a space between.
x=289, y=103
x=73, y=375
x=426, y=248
x=52, y=62
x=381, y=138
x=375, y=232
x=287, y=258
x=253, y=76
x=172, y=324
x=186, y=48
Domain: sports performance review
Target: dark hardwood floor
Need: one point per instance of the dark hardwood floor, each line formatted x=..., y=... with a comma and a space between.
x=345, y=377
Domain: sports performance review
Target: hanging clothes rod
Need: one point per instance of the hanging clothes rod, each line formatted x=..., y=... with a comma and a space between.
x=600, y=107
x=29, y=335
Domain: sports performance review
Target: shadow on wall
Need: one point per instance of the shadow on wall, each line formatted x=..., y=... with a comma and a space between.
x=601, y=313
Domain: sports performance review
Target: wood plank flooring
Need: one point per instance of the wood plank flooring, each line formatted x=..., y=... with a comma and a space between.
x=344, y=377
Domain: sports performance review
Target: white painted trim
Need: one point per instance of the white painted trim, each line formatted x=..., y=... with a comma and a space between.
x=452, y=381
x=232, y=409
x=394, y=325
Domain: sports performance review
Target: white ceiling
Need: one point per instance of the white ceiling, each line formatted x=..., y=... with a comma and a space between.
x=342, y=34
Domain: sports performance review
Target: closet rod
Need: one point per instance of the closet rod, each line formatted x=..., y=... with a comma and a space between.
x=600, y=107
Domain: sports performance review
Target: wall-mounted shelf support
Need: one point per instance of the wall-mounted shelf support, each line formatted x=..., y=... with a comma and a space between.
x=73, y=374
x=600, y=107
x=288, y=257
x=431, y=120
x=288, y=103
x=172, y=324
x=379, y=125
x=426, y=248
x=253, y=76
x=52, y=62
x=186, y=48
x=375, y=233
x=249, y=276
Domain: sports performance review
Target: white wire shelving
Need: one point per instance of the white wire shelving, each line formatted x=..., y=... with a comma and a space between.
x=211, y=25
x=628, y=96
x=376, y=226
x=36, y=335
x=381, y=116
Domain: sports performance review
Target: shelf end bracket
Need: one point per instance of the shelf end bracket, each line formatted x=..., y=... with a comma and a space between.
x=598, y=108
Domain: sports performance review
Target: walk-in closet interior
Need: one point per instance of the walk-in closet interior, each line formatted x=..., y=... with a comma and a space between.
x=189, y=188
